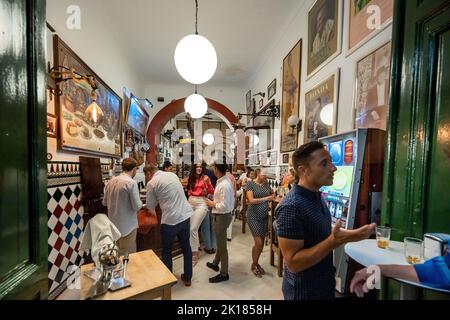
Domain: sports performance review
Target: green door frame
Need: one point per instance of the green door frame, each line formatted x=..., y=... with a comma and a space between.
x=29, y=279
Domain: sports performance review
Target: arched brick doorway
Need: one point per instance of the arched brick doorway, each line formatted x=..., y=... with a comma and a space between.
x=169, y=112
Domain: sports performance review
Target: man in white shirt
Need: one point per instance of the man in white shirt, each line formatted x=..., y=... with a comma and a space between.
x=165, y=189
x=222, y=206
x=121, y=196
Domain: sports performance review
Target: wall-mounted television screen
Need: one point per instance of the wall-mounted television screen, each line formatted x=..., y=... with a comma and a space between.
x=137, y=117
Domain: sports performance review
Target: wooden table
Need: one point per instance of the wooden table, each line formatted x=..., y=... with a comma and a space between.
x=149, y=279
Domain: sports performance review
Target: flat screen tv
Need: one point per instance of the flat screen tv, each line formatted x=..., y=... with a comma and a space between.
x=137, y=117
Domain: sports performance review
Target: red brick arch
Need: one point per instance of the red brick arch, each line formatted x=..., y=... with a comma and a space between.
x=169, y=112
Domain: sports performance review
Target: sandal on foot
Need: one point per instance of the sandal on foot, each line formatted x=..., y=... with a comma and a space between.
x=261, y=270
x=256, y=272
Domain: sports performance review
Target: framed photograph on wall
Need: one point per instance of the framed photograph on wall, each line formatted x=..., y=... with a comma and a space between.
x=324, y=34
x=273, y=158
x=291, y=95
x=286, y=158
x=272, y=89
x=321, y=109
x=367, y=18
x=52, y=125
x=372, y=89
x=76, y=134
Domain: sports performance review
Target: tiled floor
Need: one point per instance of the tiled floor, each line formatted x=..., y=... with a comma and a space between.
x=243, y=285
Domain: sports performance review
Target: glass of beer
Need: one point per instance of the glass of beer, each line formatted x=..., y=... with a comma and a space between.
x=413, y=250
x=383, y=237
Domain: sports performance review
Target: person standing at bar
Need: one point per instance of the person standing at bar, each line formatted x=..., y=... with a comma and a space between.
x=222, y=205
x=121, y=197
x=199, y=187
x=164, y=188
x=304, y=229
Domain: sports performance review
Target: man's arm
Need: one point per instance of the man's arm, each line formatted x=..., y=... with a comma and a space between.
x=299, y=259
x=359, y=286
x=151, y=201
x=135, y=199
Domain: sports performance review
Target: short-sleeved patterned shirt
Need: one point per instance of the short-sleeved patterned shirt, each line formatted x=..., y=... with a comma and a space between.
x=302, y=215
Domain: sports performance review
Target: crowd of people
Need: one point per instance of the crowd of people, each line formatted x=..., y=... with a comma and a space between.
x=204, y=202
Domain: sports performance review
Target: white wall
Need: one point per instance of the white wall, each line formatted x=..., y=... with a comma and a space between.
x=297, y=29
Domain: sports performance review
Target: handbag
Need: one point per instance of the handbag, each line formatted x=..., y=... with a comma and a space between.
x=146, y=221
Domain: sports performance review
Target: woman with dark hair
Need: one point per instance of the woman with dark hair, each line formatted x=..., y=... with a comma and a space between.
x=259, y=195
x=199, y=187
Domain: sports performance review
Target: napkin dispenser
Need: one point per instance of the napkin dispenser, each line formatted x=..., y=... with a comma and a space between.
x=435, y=244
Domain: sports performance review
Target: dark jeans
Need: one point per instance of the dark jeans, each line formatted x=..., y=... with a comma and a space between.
x=168, y=234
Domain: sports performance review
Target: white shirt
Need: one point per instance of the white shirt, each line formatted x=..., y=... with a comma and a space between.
x=223, y=196
x=166, y=190
x=121, y=196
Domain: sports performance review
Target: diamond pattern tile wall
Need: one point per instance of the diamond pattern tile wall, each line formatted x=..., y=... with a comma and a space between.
x=65, y=226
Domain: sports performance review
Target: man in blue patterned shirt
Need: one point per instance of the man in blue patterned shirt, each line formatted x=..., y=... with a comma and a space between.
x=304, y=230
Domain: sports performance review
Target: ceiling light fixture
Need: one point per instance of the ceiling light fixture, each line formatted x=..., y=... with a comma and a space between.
x=196, y=105
x=195, y=56
x=208, y=139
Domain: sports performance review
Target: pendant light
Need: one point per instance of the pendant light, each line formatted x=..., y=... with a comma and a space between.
x=195, y=105
x=195, y=56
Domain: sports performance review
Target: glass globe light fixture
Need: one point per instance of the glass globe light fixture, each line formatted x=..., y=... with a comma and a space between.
x=196, y=106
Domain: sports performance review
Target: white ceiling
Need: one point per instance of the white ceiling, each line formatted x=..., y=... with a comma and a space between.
x=242, y=31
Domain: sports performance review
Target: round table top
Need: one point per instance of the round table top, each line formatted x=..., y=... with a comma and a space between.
x=367, y=253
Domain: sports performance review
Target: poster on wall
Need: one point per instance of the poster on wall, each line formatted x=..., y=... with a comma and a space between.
x=367, y=19
x=324, y=33
x=372, y=89
x=321, y=109
x=76, y=134
x=291, y=95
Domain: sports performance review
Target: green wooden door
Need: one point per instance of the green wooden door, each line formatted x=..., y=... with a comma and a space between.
x=23, y=196
x=417, y=178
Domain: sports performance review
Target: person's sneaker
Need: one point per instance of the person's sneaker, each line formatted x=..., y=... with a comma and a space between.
x=212, y=266
x=219, y=278
x=210, y=251
x=187, y=282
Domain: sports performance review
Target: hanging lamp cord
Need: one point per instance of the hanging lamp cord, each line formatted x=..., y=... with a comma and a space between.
x=196, y=16
x=195, y=89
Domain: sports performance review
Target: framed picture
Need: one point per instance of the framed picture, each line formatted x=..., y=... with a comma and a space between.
x=261, y=103
x=286, y=158
x=363, y=22
x=248, y=105
x=265, y=135
x=136, y=116
x=321, y=109
x=273, y=158
x=291, y=95
x=372, y=89
x=324, y=33
x=52, y=126
x=76, y=134
x=272, y=89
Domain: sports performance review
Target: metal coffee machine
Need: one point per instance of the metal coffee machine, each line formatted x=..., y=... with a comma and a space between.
x=112, y=272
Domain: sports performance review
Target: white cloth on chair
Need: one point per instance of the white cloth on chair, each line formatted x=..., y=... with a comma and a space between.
x=99, y=231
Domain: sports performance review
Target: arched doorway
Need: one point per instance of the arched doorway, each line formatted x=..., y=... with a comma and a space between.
x=170, y=111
